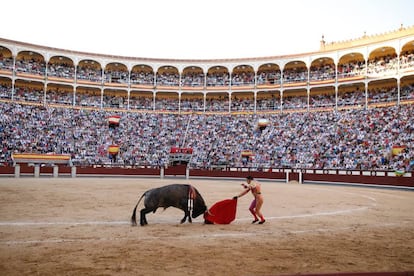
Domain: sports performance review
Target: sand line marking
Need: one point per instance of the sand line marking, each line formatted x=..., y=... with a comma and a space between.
x=373, y=202
x=80, y=223
x=188, y=237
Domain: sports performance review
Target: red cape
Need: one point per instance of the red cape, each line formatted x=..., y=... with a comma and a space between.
x=222, y=212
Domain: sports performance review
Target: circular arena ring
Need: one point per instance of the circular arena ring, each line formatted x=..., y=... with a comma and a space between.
x=81, y=226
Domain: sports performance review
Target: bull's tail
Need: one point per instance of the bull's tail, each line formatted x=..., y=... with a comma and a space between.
x=133, y=218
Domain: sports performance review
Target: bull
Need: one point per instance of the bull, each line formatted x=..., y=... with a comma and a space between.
x=181, y=196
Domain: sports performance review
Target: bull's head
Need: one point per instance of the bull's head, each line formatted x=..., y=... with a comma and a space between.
x=199, y=207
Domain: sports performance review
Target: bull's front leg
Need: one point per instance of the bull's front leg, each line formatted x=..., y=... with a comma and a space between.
x=186, y=215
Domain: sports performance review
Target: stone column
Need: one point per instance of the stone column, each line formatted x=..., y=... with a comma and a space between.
x=55, y=171
x=17, y=171
x=36, y=170
x=73, y=171
x=187, y=173
x=162, y=172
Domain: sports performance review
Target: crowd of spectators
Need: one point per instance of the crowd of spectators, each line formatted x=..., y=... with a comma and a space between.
x=317, y=131
x=6, y=63
x=360, y=139
x=116, y=76
x=32, y=66
x=268, y=77
x=192, y=79
x=222, y=103
x=91, y=71
x=143, y=78
x=61, y=69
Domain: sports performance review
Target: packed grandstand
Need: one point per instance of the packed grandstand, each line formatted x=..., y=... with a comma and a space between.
x=348, y=106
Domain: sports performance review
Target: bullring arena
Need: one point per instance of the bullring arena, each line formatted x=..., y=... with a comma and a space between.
x=81, y=226
x=329, y=134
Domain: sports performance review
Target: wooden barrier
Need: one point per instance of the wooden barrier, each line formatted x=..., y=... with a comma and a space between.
x=378, y=178
x=38, y=159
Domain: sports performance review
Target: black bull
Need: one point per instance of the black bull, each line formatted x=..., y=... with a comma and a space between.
x=181, y=196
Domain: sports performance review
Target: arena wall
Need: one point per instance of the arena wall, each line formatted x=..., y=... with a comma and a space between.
x=382, y=178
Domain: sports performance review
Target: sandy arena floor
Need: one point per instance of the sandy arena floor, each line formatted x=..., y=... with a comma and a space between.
x=64, y=226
